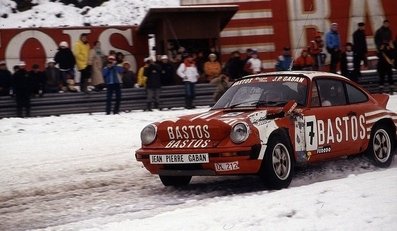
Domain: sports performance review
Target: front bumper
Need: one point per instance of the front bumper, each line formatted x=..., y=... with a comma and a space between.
x=227, y=161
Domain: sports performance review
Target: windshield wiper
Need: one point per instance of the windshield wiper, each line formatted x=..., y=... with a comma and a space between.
x=250, y=103
x=270, y=103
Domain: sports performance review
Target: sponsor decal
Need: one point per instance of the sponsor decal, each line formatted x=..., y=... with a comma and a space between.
x=188, y=136
x=179, y=158
x=227, y=166
x=243, y=81
x=188, y=132
x=258, y=118
x=289, y=79
x=337, y=130
x=191, y=143
x=325, y=149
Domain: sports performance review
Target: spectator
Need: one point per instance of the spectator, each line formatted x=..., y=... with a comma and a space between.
x=332, y=41
x=141, y=80
x=22, y=84
x=53, y=78
x=66, y=61
x=200, y=62
x=38, y=79
x=212, y=68
x=234, y=67
x=304, y=61
x=316, y=51
x=167, y=71
x=128, y=76
x=81, y=53
x=172, y=52
x=254, y=64
x=360, y=48
x=112, y=80
x=222, y=84
x=395, y=52
x=96, y=62
x=383, y=35
x=5, y=79
x=187, y=71
x=348, y=59
x=119, y=58
x=385, y=65
x=284, y=61
x=153, y=85
x=248, y=53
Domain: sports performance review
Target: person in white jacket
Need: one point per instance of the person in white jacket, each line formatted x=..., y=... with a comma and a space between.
x=187, y=70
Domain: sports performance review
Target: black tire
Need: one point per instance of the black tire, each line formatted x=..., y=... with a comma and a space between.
x=381, y=146
x=175, y=180
x=277, y=167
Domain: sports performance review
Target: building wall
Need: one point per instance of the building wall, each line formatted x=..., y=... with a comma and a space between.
x=270, y=25
x=36, y=45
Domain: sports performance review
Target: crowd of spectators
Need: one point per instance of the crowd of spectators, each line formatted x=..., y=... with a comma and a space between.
x=100, y=71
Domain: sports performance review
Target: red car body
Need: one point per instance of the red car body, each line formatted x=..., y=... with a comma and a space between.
x=266, y=124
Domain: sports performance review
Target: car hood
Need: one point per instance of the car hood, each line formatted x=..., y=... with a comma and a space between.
x=210, y=127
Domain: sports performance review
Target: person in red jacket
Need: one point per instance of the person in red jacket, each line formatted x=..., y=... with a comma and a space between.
x=304, y=61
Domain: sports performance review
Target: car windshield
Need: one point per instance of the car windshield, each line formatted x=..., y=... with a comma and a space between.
x=271, y=91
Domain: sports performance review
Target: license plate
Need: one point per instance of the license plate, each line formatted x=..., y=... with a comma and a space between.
x=198, y=158
x=228, y=166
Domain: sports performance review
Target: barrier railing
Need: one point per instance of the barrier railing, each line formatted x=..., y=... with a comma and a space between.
x=132, y=99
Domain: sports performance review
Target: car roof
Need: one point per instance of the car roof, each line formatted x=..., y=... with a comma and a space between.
x=308, y=74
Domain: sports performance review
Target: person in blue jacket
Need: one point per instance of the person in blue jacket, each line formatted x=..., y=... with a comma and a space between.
x=284, y=61
x=332, y=43
x=111, y=74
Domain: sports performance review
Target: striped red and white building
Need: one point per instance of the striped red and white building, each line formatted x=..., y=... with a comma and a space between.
x=270, y=25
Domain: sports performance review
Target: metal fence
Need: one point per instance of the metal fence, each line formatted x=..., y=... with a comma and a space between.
x=132, y=99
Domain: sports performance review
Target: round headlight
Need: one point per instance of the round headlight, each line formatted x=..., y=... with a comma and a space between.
x=239, y=133
x=148, y=134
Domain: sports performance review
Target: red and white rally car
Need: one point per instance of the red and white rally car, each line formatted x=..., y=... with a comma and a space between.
x=266, y=124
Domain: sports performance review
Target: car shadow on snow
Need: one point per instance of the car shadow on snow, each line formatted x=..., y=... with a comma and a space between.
x=229, y=185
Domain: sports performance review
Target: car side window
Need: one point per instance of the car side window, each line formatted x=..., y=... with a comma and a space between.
x=331, y=92
x=315, y=99
x=355, y=95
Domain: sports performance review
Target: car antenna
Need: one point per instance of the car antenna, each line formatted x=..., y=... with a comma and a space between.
x=299, y=40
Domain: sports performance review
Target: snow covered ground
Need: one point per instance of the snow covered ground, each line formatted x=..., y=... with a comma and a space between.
x=54, y=14
x=78, y=172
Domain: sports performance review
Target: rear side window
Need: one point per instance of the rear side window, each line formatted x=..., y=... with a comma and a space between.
x=355, y=95
x=331, y=92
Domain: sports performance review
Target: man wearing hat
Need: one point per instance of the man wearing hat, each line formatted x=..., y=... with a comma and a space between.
x=212, y=68
x=167, y=71
x=5, y=79
x=53, y=78
x=111, y=73
x=22, y=84
x=360, y=48
x=66, y=61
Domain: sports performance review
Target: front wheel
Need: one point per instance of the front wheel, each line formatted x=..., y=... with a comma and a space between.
x=381, y=147
x=175, y=180
x=277, y=166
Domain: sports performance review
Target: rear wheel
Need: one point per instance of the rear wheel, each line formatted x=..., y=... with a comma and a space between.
x=381, y=146
x=277, y=166
x=175, y=180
